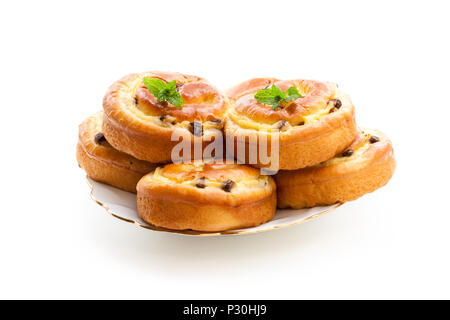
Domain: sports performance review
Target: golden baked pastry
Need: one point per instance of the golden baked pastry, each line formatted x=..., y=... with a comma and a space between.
x=366, y=165
x=206, y=197
x=136, y=123
x=104, y=163
x=310, y=129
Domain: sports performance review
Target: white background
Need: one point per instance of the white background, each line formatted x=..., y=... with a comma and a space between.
x=57, y=60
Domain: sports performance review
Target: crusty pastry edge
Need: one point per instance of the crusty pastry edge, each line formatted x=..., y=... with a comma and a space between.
x=180, y=207
x=306, y=145
x=345, y=181
x=106, y=164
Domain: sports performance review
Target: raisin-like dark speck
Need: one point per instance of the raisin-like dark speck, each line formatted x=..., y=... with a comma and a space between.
x=347, y=153
x=200, y=183
x=100, y=138
x=228, y=185
x=374, y=139
x=282, y=124
x=337, y=103
x=179, y=85
x=196, y=128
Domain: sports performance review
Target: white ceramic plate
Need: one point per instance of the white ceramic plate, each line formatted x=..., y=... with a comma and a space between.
x=122, y=205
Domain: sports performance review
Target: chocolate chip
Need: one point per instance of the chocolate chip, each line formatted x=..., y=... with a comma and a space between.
x=337, y=103
x=301, y=123
x=99, y=138
x=374, y=139
x=136, y=101
x=168, y=119
x=196, y=128
x=228, y=185
x=281, y=124
x=200, y=183
x=217, y=123
x=347, y=153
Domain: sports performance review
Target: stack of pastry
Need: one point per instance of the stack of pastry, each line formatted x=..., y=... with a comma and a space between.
x=322, y=156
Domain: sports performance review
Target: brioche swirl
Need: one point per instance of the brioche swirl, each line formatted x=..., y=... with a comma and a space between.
x=136, y=123
x=310, y=129
x=206, y=197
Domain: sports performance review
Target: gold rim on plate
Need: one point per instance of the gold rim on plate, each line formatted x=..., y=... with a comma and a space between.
x=199, y=233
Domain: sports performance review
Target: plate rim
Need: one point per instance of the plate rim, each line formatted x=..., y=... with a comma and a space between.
x=200, y=233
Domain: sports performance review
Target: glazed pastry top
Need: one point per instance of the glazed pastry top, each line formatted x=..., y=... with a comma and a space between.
x=129, y=104
x=318, y=99
x=202, y=102
x=354, y=152
x=201, y=175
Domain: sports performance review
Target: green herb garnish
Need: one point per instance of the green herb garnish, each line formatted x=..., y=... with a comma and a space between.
x=164, y=91
x=275, y=96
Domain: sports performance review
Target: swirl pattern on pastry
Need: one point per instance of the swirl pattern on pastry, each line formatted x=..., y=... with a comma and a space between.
x=104, y=163
x=366, y=165
x=206, y=197
x=310, y=129
x=136, y=123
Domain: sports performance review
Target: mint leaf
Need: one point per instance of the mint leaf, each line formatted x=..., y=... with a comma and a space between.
x=177, y=101
x=274, y=96
x=278, y=92
x=265, y=96
x=293, y=94
x=164, y=91
x=154, y=85
x=172, y=85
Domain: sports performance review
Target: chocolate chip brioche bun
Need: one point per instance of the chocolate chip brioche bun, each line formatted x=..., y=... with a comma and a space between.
x=136, y=123
x=206, y=197
x=310, y=129
x=104, y=163
x=363, y=167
